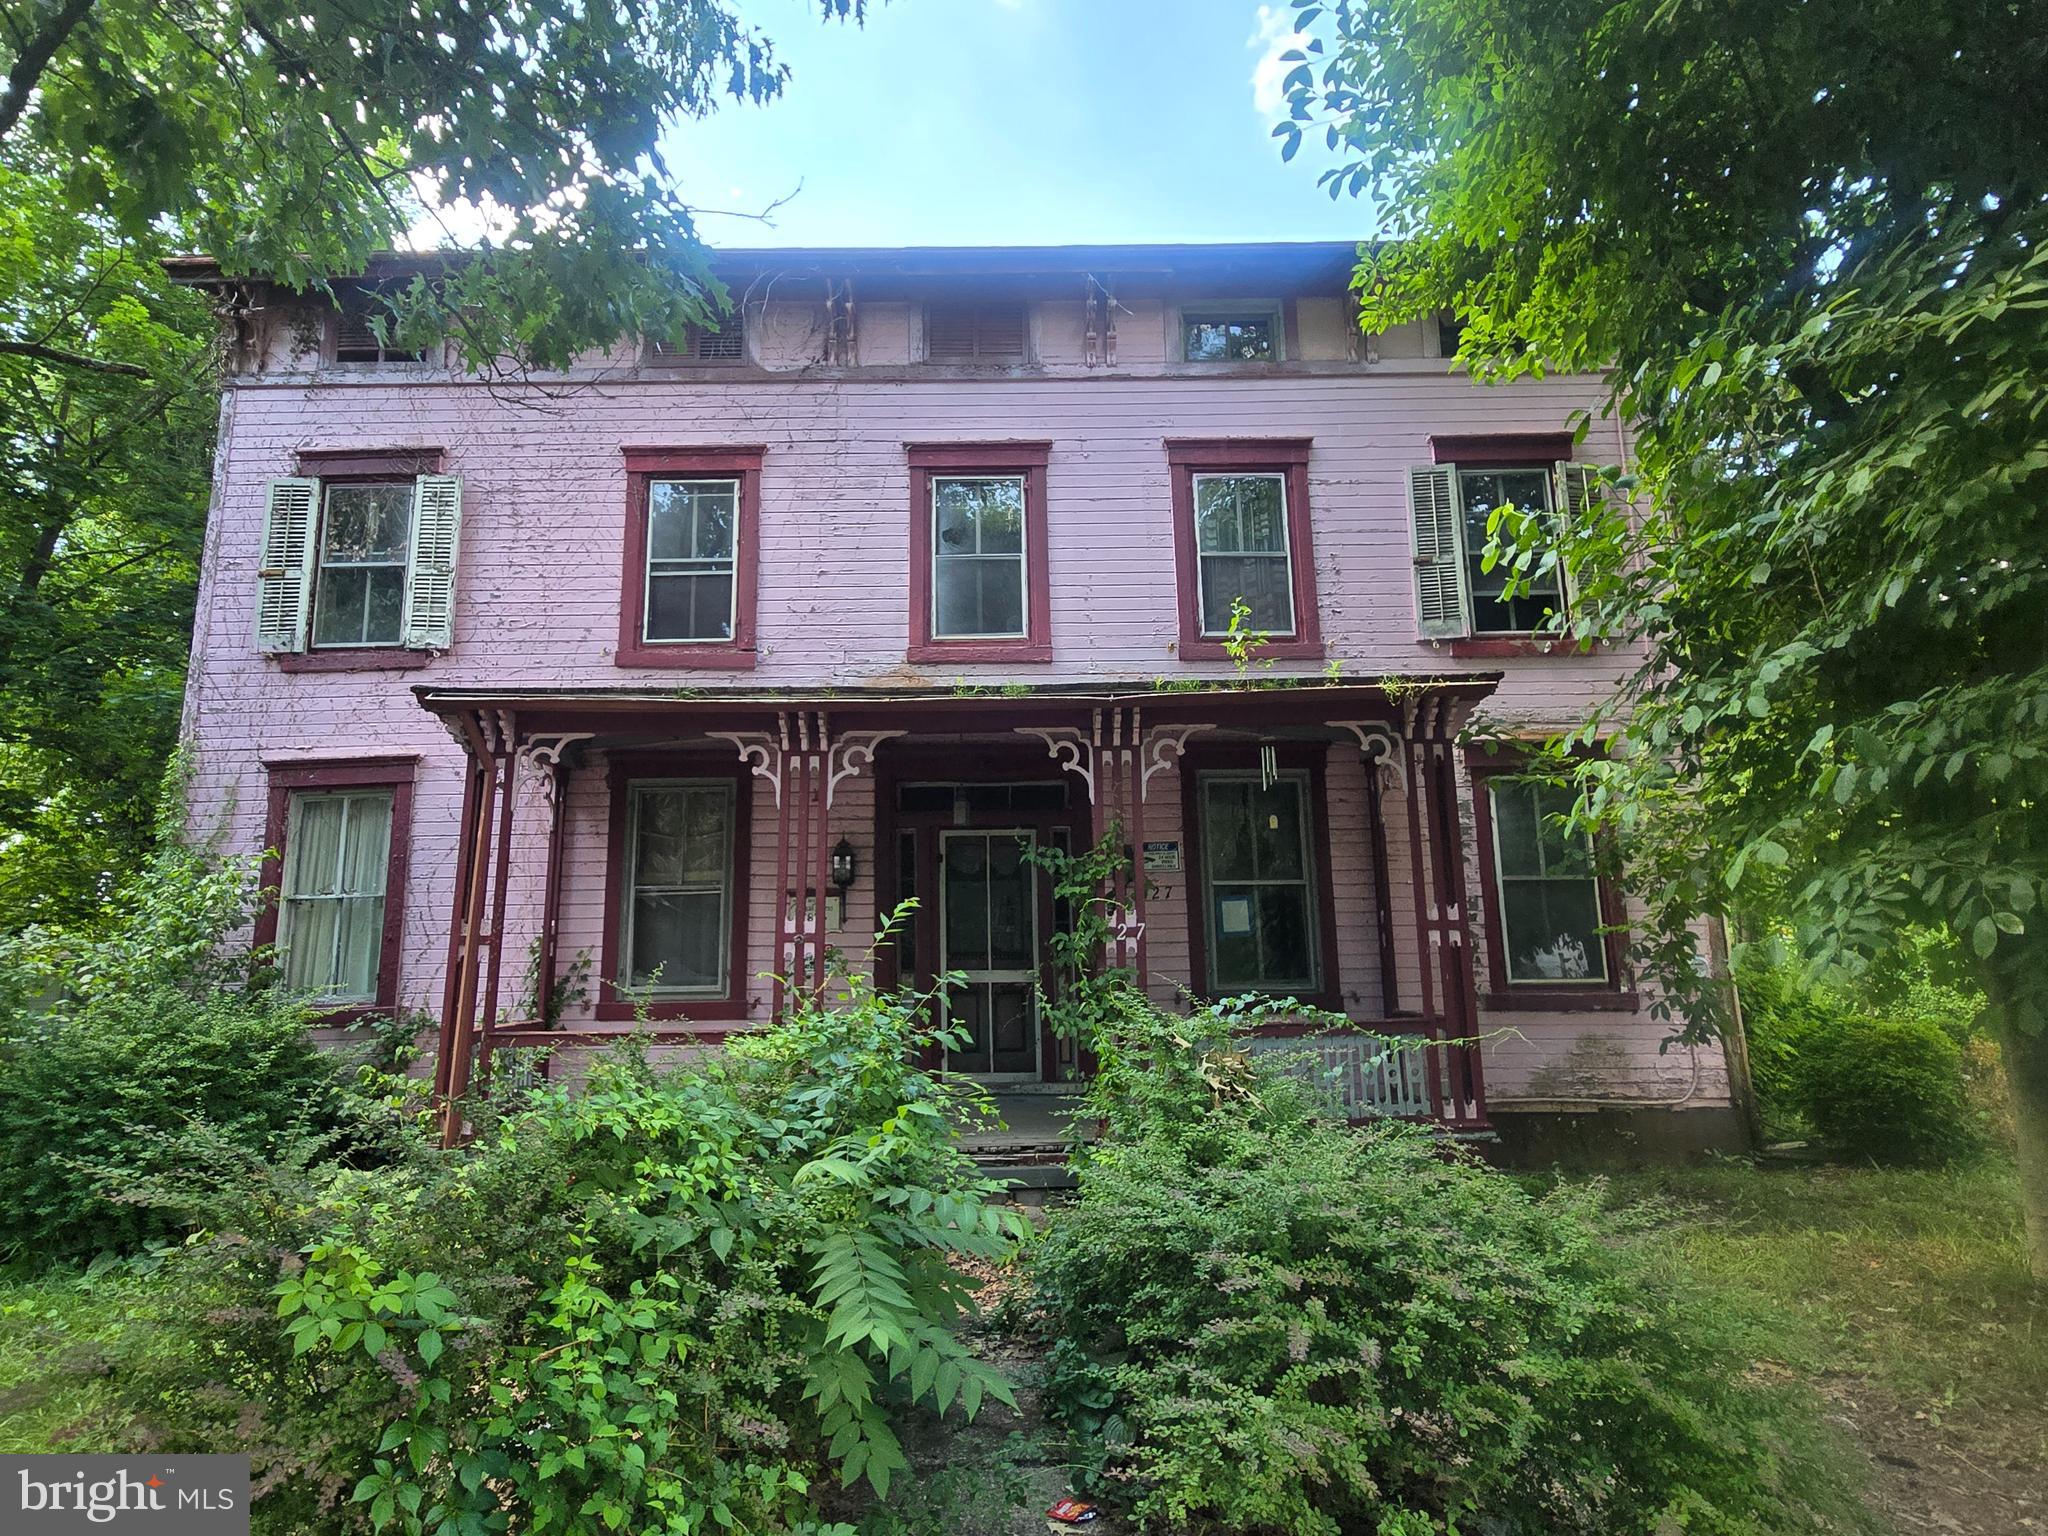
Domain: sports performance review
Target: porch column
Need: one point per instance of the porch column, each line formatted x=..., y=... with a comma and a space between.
x=1109, y=760
x=1443, y=917
x=486, y=738
x=1385, y=770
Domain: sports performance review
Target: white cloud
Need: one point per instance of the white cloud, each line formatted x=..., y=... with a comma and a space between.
x=1272, y=36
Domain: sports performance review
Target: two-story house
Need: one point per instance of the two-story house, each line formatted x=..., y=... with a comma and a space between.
x=642, y=687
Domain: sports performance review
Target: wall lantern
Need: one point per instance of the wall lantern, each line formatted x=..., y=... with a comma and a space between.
x=842, y=866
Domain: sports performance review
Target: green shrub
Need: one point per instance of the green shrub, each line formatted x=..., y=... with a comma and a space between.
x=666, y=1301
x=96, y=1099
x=1885, y=1090
x=1877, y=1073
x=115, y=1043
x=1267, y=1322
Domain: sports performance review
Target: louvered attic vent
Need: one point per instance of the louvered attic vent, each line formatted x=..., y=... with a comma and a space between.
x=974, y=333
x=727, y=344
x=355, y=338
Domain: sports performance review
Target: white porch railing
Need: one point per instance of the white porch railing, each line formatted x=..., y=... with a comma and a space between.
x=1370, y=1075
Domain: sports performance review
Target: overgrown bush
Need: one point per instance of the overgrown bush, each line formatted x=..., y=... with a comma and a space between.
x=97, y=1100
x=115, y=1044
x=1876, y=1070
x=1263, y=1321
x=665, y=1301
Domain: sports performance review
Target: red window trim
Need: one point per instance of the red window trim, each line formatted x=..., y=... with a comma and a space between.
x=1615, y=995
x=645, y=465
x=1028, y=459
x=1497, y=450
x=1311, y=760
x=370, y=463
x=292, y=776
x=1185, y=457
x=622, y=771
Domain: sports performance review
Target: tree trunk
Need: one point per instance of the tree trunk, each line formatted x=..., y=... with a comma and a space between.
x=2016, y=981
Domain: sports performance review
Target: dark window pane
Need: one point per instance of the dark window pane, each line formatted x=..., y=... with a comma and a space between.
x=1553, y=930
x=1276, y=830
x=1483, y=491
x=339, y=604
x=1283, y=935
x=678, y=940
x=966, y=883
x=979, y=595
x=1262, y=582
x=689, y=606
x=1227, y=843
x=692, y=519
x=369, y=524
x=1010, y=901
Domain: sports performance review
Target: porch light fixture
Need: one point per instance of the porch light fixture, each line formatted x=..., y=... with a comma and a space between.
x=842, y=866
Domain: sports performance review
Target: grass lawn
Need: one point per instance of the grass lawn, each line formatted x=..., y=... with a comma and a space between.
x=1904, y=1298
x=52, y=1329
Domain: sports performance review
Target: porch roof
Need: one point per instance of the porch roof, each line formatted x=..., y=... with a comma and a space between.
x=1262, y=702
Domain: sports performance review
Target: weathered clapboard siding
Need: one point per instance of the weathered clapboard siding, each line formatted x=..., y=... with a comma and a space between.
x=538, y=596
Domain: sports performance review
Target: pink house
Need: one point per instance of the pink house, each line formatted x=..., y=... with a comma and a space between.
x=619, y=699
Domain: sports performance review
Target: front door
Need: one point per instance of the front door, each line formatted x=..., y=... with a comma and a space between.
x=988, y=933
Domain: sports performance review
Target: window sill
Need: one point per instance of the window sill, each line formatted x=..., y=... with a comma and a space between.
x=978, y=650
x=724, y=1009
x=716, y=658
x=1563, y=1000
x=1480, y=646
x=1272, y=650
x=348, y=1015
x=368, y=659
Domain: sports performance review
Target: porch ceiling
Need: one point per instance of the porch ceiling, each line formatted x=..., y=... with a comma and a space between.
x=966, y=709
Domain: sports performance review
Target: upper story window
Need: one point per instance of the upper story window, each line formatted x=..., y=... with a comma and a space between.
x=1482, y=492
x=1451, y=504
x=364, y=557
x=357, y=562
x=1240, y=334
x=363, y=309
x=974, y=333
x=1243, y=546
x=340, y=830
x=725, y=342
x=980, y=579
x=978, y=551
x=691, y=552
x=692, y=558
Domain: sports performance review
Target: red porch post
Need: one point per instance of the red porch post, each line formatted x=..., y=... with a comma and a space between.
x=487, y=743
x=1443, y=917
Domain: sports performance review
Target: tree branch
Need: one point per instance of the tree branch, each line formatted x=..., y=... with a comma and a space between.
x=45, y=354
x=34, y=58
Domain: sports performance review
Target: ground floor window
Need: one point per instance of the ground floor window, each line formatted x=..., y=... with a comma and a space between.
x=337, y=857
x=1258, y=883
x=1550, y=919
x=678, y=901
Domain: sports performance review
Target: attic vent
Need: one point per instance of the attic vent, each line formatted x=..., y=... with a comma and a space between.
x=355, y=337
x=726, y=344
x=974, y=333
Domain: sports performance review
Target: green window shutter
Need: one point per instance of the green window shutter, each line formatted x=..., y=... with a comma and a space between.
x=1441, y=611
x=284, y=572
x=430, y=587
x=1574, y=492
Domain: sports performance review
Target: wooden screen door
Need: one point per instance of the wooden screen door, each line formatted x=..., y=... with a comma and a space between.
x=988, y=933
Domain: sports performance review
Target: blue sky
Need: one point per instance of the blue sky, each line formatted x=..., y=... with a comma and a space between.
x=989, y=122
